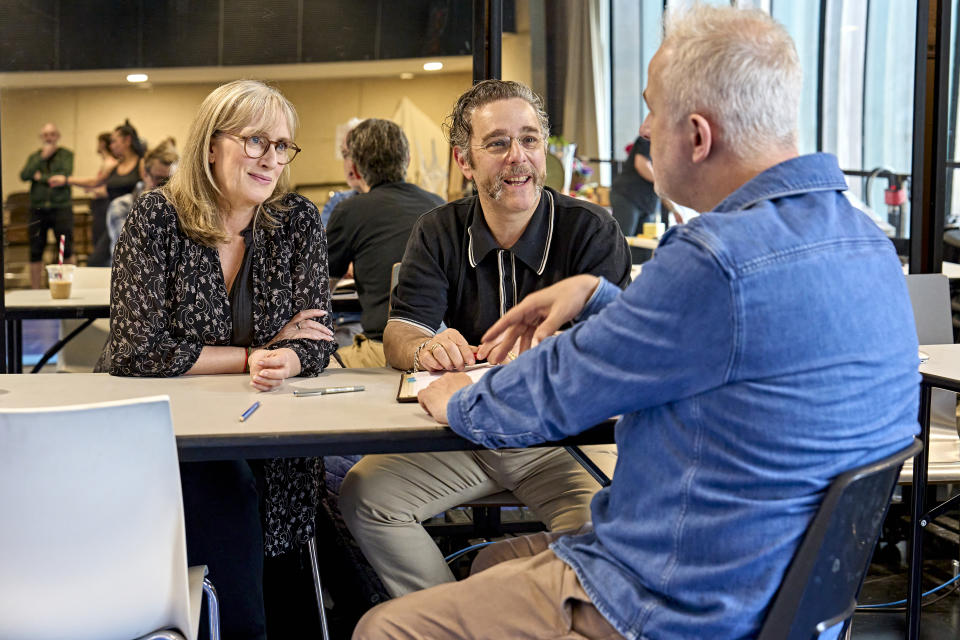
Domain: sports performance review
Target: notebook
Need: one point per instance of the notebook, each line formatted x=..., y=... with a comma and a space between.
x=412, y=383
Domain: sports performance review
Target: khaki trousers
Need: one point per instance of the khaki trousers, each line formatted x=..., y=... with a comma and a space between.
x=518, y=589
x=364, y=353
x=384, y=498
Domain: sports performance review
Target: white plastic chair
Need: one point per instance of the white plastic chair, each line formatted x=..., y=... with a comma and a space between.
x=930, y=298
x=92, y=545
x=80, y=355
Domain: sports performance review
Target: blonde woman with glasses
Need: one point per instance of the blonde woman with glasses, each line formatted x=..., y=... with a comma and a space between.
x=223, y=270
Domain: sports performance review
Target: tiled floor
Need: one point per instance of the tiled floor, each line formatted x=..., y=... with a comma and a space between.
x=887, y=582
x=940, y=619
x=38, y=336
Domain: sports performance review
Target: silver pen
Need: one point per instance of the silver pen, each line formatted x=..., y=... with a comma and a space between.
x=323, y=391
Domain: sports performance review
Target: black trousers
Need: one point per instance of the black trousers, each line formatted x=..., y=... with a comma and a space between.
x=60, y=219
x=222, y=514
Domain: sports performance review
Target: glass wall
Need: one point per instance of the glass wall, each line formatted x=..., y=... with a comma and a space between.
x=857, y=100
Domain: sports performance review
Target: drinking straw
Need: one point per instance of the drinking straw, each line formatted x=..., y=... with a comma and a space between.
x=60, y=255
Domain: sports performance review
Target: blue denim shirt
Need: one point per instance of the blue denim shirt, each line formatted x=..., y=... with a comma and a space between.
x=767, y=347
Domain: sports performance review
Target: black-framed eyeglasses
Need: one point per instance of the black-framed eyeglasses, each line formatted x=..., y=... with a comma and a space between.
x=501, y=145
x=255, y=146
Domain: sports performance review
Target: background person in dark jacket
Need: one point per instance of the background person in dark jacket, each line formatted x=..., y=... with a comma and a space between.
x=371, y=229
x=50, y=207
x=631, y=194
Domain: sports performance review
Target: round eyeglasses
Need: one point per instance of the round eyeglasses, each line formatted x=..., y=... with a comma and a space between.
x=500, y=146
x=256, y=146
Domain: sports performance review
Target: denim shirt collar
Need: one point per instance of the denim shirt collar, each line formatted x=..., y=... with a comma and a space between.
x=532, y=248
x=803, y=174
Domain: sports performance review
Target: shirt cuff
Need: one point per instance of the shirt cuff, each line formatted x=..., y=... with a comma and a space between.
x=605, y=292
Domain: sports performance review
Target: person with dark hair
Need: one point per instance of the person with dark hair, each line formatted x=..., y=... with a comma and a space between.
x=99, y=200
x=371, y=229
x=50, y=201
x=465, y=264
x=128, y=149
x=631, y=194
x=158, y=166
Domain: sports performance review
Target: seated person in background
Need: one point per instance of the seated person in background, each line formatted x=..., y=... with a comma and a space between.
x=349, y=174
x=371, y=229
x=740, y=402
x=631, y=195
x=222, y=270
x=467, y=263
x=158, y=165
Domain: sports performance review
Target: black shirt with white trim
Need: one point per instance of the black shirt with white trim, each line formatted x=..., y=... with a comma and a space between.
x=455, y=272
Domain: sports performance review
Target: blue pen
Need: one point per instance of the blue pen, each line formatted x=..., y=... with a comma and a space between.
x=249, y=412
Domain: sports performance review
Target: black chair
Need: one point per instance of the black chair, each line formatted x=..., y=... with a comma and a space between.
x=823, y=581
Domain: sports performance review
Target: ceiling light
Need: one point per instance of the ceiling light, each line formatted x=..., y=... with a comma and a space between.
x=406, y=75
x=432, y=66
x=137, y=77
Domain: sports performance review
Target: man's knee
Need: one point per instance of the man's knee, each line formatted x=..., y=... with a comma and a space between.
x=364, y=494
x=373, y=623
x=513, y=548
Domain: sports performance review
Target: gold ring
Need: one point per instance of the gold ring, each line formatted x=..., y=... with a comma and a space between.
x=434, y=347
x=512, y=355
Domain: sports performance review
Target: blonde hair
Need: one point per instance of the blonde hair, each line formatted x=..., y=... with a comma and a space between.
x=192, y=190
x=739, y=66
x=164, y=153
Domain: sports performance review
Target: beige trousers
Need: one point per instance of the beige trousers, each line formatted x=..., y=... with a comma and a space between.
x=384, y=498
x=518, y=589
x=364, y=353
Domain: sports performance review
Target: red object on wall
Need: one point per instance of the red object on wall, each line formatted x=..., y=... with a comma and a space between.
x=895, y=196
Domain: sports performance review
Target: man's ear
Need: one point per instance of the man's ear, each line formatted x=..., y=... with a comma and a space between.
x=465, y=167
x=701, y=137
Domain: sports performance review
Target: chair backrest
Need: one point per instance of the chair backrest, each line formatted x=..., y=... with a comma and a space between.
x=821, y=585
x=92, y=544
x=394, y=279
x=80, y=354
x=91, y=278
x=930, y=297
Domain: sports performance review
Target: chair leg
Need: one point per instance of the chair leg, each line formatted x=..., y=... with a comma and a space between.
x=213, y=609
x=317, y=587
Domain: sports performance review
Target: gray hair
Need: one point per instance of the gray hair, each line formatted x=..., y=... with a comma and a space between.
x=459, y=124
x=738, y=66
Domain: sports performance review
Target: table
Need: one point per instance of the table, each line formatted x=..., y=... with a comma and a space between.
x=36, y=304
x=942, y=371
x=83, y=304
x=206, y=411
x=642, y=242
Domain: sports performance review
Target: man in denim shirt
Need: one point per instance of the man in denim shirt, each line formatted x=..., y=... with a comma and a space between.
x=768, y=347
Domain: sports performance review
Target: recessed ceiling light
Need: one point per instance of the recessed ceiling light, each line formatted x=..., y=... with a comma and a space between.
x=137, y=77
x=432, y=66
x=406, y=75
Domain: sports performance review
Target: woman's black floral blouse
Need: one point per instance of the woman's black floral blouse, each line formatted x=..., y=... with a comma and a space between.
x=168, y=299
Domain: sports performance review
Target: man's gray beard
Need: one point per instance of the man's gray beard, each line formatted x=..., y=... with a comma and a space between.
x=494, y=189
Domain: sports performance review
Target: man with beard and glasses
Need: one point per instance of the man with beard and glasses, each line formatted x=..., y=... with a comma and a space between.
x=466, y=264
